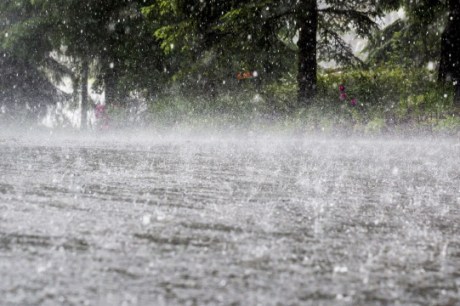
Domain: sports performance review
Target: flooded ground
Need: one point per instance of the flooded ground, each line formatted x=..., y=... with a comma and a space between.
x=248, y=220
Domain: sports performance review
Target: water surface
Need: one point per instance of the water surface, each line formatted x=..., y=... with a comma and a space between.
x=228, y=220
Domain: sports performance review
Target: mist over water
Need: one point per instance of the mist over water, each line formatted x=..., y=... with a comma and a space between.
x=239, y=218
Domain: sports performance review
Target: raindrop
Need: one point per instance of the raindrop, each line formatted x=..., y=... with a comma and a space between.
x=161, y=216
x=339, y=269
x=430, y=66
x=146, y=219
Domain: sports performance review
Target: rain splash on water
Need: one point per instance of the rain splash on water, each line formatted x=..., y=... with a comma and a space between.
x=142, y=219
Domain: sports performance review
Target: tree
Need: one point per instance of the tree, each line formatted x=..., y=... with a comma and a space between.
x=449, y=66
x=414, y=41
x=130, y=58
x=38, y=28
x=316, y=28
x=189, y=32
x=115, y=38
x=110, y=40
x=307, y=21
x=24, y=84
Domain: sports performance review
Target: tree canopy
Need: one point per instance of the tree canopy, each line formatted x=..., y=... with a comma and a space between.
x=209, y=47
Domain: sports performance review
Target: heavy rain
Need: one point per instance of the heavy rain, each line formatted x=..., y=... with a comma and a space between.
x=172, y=152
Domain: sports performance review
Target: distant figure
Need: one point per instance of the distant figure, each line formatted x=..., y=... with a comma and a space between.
x=102, y=118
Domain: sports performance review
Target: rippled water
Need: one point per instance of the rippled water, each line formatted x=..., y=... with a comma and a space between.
x=229, y=221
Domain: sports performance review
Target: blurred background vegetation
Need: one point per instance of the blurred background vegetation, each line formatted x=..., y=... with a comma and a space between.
x=173, y=61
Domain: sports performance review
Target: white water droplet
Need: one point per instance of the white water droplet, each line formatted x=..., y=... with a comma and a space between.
x=339, y=269
x=161, y=216
x=146, y=219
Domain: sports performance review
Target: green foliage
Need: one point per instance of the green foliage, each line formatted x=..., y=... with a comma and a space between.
x=198, y=47
x=170, y=35
x=25, y=44
x=386, y=97
x=251, y=35
x=389, y=98
x=413, y=41
x=396, y=93
x=238, y=108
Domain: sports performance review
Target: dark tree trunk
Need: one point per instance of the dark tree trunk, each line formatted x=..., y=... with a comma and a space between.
x=84, y=94
x=76, y=89
x=308, y=24
x=110, y=76
x=457, y=97
x=267, y=47
x=110, y=83
x=449, y=66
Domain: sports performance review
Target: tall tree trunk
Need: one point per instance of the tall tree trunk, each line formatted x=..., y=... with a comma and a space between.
x=308, y=24
x=76, y=89
x=449, y=66
x=268, y=31
x=110, y=83
x=457, y=97
x=84, y=94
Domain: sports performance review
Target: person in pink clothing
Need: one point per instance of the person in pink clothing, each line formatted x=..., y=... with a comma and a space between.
x=102, y=118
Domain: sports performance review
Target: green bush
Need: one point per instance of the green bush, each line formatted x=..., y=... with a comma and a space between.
x=387, y=97
x=398, y=95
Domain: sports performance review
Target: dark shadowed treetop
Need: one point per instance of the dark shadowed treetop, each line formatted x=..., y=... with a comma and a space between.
x=413, y=40
x=199, y=24
x=206, y=46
